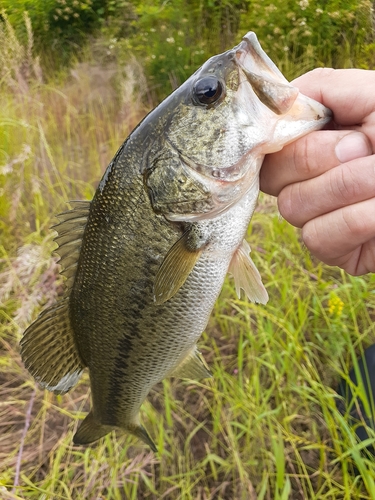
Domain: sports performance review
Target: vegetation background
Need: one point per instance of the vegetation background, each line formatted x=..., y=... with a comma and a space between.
x=75, y=77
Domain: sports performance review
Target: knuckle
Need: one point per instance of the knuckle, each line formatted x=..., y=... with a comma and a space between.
x=322, y=72
x=304, y=157
x=268, y=181
x=290, y=203
x=346, y=184
x=311, y=236
x=353, y=225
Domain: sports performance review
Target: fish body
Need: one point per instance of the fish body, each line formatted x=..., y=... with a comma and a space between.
x=146, y=259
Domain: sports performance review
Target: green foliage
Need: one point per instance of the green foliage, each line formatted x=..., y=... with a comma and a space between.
x=314, y=33
x=173, y=38
x=61, y=27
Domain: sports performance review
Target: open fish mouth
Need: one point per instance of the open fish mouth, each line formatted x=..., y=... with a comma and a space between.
x=273, y=89
x=270, y=112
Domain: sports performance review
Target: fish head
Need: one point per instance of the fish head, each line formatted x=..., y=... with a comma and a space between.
x=221, y=122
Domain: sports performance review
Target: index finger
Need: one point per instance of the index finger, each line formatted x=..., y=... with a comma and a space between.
x=349, y=93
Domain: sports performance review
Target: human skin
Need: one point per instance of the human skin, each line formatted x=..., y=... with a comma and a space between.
x=325, y=181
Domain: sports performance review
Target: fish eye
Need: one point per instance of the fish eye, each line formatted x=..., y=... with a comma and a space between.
x=207, y=90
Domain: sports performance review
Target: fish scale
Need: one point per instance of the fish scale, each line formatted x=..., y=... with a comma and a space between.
x=145, y=260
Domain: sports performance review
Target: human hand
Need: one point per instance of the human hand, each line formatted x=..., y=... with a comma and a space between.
x=325, y=181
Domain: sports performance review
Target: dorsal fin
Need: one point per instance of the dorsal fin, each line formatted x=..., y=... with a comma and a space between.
x=70, y=230
x=49, y=351
x=48, y=348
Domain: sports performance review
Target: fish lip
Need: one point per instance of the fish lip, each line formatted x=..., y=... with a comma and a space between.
x=328, y=115
x=247, y=43
x=250, y=46
x=241, y=51
x=252, y=58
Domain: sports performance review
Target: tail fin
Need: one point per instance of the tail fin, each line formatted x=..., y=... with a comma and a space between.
x=141, y=433
x=90, y=431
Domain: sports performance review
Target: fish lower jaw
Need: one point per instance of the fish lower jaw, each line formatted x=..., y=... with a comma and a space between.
x=221, y=208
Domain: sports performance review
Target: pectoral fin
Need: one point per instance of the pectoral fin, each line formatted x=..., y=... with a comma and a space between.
x=246, y=275
x=192, y=366
x=175, y=268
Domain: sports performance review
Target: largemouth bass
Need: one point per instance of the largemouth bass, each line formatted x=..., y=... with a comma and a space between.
x=146, y=259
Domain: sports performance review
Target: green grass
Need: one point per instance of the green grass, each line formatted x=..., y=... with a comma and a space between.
x=265, y=427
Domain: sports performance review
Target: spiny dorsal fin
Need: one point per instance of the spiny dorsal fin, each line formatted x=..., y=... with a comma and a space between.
x=246, y=275
x=70, y=231
x=192, y=366
x=174, y=270
x=49, y=352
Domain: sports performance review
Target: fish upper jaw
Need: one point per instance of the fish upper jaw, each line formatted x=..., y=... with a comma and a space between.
x=294, y=114
x=250, y=55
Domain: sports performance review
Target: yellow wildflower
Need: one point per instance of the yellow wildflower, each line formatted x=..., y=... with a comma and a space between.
x=335, y=305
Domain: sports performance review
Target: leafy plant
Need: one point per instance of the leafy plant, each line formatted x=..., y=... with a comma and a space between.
x=61, y=27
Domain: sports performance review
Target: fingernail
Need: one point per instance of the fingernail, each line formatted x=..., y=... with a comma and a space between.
x=352, y=146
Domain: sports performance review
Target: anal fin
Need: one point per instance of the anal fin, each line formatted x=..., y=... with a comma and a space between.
x=193, y=366
x=246, y=275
